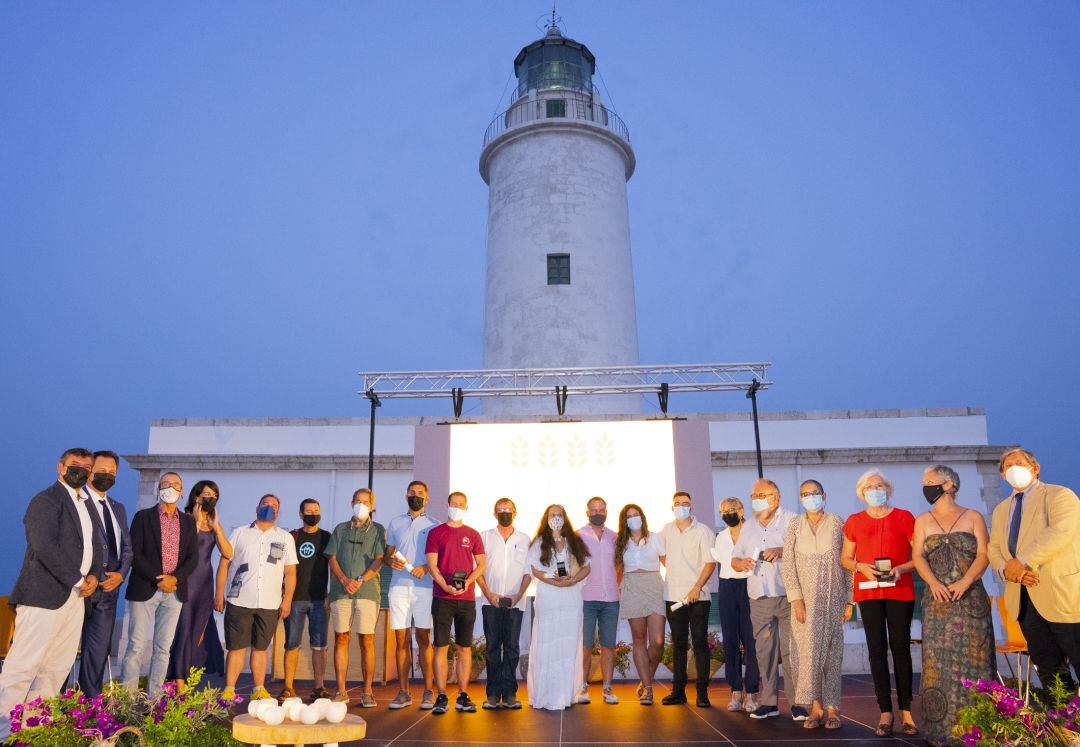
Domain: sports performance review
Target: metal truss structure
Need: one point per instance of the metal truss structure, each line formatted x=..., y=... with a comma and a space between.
x=526, y=382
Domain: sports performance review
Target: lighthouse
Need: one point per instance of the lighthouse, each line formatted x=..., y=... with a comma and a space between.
x=559, y=283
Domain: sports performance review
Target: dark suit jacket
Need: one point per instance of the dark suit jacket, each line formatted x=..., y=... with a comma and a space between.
x=54, y=548
x=120, y=514
x=146, y=549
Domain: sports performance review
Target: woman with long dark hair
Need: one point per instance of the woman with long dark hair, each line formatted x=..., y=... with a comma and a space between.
x=639, y=554
x=559, y=560
x=188, y=648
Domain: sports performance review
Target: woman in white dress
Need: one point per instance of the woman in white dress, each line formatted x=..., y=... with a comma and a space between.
x=559, y=560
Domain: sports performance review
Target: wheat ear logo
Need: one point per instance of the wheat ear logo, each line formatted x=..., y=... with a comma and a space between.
x=519, y=452
x=605, y=450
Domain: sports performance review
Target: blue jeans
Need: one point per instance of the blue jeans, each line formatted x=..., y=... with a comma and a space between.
x=602, y=617
x=150, y=623
x=315, y=614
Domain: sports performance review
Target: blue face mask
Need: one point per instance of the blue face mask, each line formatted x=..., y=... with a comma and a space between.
x=876, y=497
x=813, y=502
x=265, y=512
x=682, y=512
x=760, y=504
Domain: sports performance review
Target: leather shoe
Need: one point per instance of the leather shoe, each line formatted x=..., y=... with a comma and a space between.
x=674, y=699
x=703, y=701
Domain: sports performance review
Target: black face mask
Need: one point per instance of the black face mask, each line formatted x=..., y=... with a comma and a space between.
x=208, y=504
x=505, y=518
x=932, y=493
x=75, y=477
x=103, y=481
x=415, y=502
x=732, y=520
x=311, y=519
x=597, y=520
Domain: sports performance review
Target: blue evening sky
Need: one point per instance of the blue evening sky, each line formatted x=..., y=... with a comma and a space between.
x=227, y=209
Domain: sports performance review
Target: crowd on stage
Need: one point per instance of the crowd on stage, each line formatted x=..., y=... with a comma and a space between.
x=787, y=582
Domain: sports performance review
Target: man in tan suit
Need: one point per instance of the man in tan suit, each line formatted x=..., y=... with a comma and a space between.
x=1035, y=548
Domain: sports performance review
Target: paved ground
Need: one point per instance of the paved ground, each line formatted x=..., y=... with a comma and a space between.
x=625, y=724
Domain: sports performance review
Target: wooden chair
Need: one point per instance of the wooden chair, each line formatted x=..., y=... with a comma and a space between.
x=1014, y=643
x=7, y=628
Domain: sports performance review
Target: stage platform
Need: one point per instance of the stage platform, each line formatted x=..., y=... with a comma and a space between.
x=625, y=724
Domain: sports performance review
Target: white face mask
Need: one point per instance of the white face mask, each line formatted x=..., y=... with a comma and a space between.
x=876, y=496
x=813, y=502
x=1019, y=476
x=361, y=511
x=556, y=523
x=168, y=495
x=760, y=504
x=634, y=522
x=455, y=513
x=682, y=512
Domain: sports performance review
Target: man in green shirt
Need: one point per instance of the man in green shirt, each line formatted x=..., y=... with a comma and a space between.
x=355, y=554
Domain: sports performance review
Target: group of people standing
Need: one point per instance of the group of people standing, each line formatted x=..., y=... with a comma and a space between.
x=787, y=583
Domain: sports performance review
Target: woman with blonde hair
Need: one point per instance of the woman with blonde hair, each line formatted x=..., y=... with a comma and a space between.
x=559, y=560
x=639, y=554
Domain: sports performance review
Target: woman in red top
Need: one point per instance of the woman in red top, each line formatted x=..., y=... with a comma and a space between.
x=879, y=532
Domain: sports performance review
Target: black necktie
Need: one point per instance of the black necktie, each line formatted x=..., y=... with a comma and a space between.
x=110, y=533
x=1014, y=526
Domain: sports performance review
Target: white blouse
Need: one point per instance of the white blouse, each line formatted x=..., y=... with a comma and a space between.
x=551, y=569
x=721, y=553
x=644, y=555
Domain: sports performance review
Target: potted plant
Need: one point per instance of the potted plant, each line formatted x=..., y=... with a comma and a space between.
x=716, y=655
x=194, y=718
x=999, y=716
x=623, y=652
x=479, y=660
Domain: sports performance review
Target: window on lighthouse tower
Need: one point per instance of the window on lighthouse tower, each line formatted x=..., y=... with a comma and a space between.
x=558, y=267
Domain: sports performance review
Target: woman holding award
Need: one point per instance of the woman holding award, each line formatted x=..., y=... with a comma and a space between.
x=877, y=548
x=559, y=560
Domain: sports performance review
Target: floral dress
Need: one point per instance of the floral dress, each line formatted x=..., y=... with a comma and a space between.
x=958, y=637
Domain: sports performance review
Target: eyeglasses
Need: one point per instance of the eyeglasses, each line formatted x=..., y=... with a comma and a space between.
x=762, y=496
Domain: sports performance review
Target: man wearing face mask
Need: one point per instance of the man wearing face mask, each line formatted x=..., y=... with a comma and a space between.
x=355, y=551
x=60, y=570
x=1033, y=547
x=164, y=546
x=100, y=619
x=455, y=559
x=600, y=598
x=254, y=589
x=689, y=567
x=503, y=583
x=759, y=553
x=410, y=592
x=309, y=603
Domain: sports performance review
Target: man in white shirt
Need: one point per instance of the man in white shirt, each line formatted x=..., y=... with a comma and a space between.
x=249, y=591
x=504, y=583
x=759, y=551
x=689, y=566
x=60, y=570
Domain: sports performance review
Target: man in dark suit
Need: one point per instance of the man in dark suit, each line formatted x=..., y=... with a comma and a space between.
x=60, y=570
x=97, y=630
x=164, y=546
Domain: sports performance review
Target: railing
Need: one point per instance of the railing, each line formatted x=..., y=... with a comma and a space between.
x=575, y=108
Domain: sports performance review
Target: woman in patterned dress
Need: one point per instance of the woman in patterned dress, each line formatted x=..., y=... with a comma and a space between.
x=958, y=632
x=819, y=590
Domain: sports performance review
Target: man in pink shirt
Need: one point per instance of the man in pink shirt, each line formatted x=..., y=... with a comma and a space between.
x=600, y=597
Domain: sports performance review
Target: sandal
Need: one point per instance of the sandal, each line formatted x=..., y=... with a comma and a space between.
x=646, y=698
x=812, y=722
x=884, y=729
x=909, y=730
x=833, y=722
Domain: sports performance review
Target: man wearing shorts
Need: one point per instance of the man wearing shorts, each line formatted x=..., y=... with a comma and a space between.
x=309, y=600
x=600, y=599
x=355, y=551
x=249, y=591
x=410, y=592
x=455, y=559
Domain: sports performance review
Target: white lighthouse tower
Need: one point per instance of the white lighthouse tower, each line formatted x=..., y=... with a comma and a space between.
x=560, y=283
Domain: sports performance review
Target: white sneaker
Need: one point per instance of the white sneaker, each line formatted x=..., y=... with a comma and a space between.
x=736, y=701
x=583, y=696
x=609, y=696
x=750, y=703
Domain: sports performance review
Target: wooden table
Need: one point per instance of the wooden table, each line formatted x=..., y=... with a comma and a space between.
x=250, y=730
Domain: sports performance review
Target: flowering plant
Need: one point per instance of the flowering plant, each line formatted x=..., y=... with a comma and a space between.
x=623, y=651
x=712, y=640
x=999, y=717
x=117, y=717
